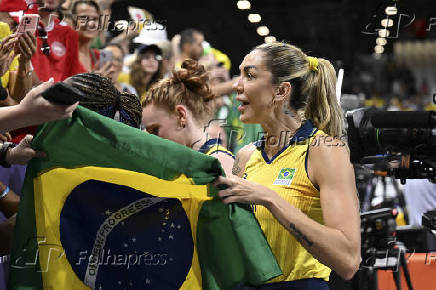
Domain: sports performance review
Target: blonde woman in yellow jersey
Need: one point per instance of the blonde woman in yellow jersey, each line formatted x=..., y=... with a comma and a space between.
x=179, y=109
x=298, y=177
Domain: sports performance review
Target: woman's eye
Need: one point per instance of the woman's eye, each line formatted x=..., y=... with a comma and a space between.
x=250, y=76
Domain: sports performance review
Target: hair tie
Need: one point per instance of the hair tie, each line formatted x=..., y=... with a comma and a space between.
x=313, y=63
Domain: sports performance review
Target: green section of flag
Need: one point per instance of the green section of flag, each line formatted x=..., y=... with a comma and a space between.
x=89, y=139
x=227, y=259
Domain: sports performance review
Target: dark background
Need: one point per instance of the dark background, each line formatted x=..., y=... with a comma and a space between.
x=331, y=29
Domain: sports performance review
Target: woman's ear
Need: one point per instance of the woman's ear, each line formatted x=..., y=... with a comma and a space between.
x=181, y=113
x=282, y=92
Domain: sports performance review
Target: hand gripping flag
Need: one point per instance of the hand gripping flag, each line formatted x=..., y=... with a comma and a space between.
x=112, y=207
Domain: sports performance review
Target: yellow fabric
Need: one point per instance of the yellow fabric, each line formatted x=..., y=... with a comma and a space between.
x=124, y=78
x=217, y=148
x=178, y=65
x=294, y=260
x=313, y=63
x=401, y=221
x=50, y=195
x=430, y=107
x=4, y=32
x=221, y=57
x=374, y=102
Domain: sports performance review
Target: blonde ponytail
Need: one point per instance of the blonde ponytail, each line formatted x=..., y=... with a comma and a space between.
x=322, y=106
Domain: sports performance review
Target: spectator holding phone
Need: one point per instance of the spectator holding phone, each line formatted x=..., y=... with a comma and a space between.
x=16, y=51
x=8, y=63
x=113, y=52
x=57, y=53
x=21, y=81
x=86, y=15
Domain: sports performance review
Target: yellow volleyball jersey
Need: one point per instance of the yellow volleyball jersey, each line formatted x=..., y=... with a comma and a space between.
x=214, y=146
x=286, y=174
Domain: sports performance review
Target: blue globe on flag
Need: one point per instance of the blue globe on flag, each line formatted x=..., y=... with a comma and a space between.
x=116, y=237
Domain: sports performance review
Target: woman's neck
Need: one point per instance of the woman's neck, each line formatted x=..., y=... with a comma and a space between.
x=196, y=138
x=84, y=54
x=84, y=45
x=45, y=17
x=279, y=130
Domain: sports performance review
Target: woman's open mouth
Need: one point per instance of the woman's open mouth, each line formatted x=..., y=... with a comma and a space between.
x=243, y=106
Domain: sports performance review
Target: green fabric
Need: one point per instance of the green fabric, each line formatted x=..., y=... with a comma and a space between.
x=115, y=145
x=227, y=260
x=96, y=43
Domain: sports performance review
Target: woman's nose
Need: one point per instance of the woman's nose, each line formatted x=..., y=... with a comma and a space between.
x=237, y=85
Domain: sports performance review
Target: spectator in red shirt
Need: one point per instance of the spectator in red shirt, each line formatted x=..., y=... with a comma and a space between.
x=86, y=15
x=57, y=54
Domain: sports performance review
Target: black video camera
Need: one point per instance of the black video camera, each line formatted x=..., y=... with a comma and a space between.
x=385, y=137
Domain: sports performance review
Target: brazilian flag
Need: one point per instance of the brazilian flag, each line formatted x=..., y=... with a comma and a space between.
x=112, y=207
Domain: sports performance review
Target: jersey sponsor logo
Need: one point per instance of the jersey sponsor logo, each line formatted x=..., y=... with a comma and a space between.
x=285, y=176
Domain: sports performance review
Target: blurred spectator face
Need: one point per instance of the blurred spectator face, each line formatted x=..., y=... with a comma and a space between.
x=167, y=66
x=219, y=74
x=90, y=14
x=117, y=60
x=167, y=57
x=52, y=4
x=160, y=122
x=195, y=48
x=149, y=62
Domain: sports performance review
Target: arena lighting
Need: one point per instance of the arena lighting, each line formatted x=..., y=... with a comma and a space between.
x=262, y=30
x=383, y=33
x=391, y=10
x=381, y=41
x=387, y=22
x=254, y=18
x=378, y=49
x=243, y=4
x=270, y=39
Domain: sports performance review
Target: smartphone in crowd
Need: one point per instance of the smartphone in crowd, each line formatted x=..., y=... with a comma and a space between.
x=29, y=22
x=105, y=57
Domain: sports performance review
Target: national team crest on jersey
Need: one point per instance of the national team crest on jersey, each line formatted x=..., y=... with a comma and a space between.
x=285, y=176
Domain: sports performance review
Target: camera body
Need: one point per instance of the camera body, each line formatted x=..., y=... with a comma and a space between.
x=378, y=232
x=382, y=138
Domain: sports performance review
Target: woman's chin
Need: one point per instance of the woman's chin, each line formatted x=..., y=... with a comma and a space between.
x=247, y=119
